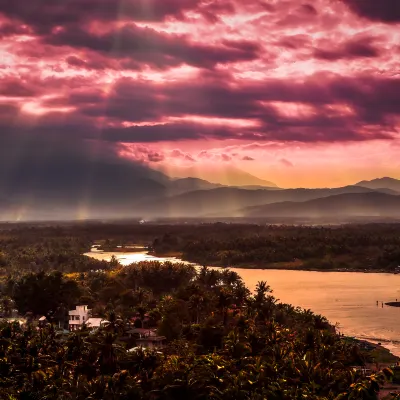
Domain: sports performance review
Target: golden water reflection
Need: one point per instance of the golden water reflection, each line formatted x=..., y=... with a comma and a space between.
x=346, y=298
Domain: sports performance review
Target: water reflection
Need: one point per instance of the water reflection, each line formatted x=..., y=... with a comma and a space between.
x=346, y=298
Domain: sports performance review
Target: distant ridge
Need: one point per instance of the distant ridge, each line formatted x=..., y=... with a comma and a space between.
x=225, y=175
x=372, y=204
x=380, y=183
x=182, y=185
x=190, y=184
x=230, y=202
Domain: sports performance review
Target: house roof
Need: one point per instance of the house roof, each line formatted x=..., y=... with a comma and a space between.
x=95, y=322
x=142, y=331
x=151, y=339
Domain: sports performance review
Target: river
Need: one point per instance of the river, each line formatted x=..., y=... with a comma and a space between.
x=346, y=298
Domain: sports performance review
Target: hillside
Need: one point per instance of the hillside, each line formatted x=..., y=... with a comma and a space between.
x=182, y=185
x=388, y=183
x=227, y=175
x=230, y=201
x=371, y=204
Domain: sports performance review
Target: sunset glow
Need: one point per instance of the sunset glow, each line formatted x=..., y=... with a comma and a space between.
x=298, y=94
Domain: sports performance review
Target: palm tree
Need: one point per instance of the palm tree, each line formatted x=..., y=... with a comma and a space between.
x=240, y=293
x=141, y=310
x=114, y=323
x=107, y=359
x=196, y=303
x=224, y=301
x=262, y=288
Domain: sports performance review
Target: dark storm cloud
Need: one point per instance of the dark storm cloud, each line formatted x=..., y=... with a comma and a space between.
x=376, y=10
x=309, y=9
x=13, y=87
x=9, y=29
x=169, y=132
x=359, y=48
x=92, y=62
x=379, y=97
x=89, y=59
x=43, y=15
x=145, y=45
x=42, y=168
x=373, y=104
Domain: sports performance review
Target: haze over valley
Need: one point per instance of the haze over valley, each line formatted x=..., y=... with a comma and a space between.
x=148, y=194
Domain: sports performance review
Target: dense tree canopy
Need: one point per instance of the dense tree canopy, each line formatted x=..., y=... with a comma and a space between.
x=223, y=342
x=42, y=293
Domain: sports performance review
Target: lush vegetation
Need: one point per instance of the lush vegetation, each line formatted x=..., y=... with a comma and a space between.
x=223, y=342
x=350, y=247
x=354, y=247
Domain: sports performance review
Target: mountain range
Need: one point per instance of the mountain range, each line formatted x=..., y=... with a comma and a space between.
x=109, y=189
x=231, y=202
x=117, y=191
x=388, y=183
x=223, y=174
x=373, y=204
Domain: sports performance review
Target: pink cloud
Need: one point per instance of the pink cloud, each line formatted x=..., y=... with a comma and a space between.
x=176, y=153
x=261, y=77
x=286, y=162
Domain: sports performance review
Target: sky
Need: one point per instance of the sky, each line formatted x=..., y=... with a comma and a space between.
x=303, y=94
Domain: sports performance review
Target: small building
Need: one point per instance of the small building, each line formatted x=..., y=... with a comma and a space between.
x=147, y=338
x=78, y=317
x=151, y=342
x=94, y=323
x=140, y=333
x=42, y=322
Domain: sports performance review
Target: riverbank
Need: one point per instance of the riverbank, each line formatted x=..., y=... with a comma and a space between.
x=378, y=353
x=297, y=265
x=344, y=298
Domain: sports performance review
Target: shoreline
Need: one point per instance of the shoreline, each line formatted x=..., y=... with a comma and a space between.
x=178, y=257
x=379, y=271
x=379, y=347
x=274, y=267
x=371, y=342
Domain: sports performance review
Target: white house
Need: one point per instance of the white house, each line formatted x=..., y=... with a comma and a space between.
x=95, y=322
x=147, y=338
x=151, y=342
x=78, y=317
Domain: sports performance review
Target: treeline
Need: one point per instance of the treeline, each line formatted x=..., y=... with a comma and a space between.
x=224, y=342
x=25, y=248
x=46, y=247
x=371, y=247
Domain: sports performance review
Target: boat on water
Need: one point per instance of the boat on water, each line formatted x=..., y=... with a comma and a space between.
x=393, y=304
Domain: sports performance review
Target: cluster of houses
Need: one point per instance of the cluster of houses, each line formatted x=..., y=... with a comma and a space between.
x=81, y=316
x=144, y=337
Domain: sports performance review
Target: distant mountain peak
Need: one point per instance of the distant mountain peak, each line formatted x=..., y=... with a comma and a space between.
x=369, y=204
x=383, y=179
x=224, y=175
x=381, y=183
